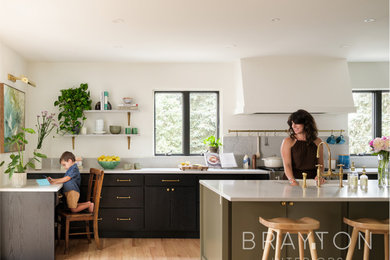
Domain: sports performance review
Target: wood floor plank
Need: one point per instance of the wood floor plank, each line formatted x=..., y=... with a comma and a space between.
x=131, y=249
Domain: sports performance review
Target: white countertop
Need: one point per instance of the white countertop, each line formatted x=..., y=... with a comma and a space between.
x=160, y=170
x=276, y=190
x=32, y=186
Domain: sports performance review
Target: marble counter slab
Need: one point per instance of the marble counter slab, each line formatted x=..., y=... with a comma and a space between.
x=32, y=186
x=161, y=171
x=276, y=190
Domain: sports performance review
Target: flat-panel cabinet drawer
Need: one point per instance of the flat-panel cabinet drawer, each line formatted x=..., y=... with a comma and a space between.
x=170, y=180
x=123, y=180
x=122, y=197
x=121, y=219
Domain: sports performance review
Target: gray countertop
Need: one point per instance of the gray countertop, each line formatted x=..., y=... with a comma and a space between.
x=32, y=186
x=159, y=171
x=276, y=190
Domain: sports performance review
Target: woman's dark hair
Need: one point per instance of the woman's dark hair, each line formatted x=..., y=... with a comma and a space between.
x=66, y=156
x=309, y=124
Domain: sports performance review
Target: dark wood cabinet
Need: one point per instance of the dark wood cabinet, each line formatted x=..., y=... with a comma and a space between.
x=150, y=205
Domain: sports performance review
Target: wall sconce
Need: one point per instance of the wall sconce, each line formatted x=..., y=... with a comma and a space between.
x=22, y=78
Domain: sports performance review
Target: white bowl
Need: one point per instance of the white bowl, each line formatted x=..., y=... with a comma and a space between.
x=127, y=100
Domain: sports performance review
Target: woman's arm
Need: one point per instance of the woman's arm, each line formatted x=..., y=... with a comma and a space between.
x=59, y=180
x=285, y=150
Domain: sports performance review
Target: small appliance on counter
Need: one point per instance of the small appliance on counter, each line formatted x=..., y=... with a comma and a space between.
x=276, y=172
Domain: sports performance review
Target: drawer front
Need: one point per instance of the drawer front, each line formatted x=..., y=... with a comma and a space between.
x=121, y=219
x=124, y=197
x=170, y=180
x=123, y=180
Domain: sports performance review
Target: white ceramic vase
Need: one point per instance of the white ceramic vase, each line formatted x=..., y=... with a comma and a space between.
x=19, y=180
x=38, y=165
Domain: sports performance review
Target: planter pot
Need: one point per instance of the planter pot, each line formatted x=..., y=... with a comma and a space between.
x=19, y=180
x=38, y=165
x=213, y=149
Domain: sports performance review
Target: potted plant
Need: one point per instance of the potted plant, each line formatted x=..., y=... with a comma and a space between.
x=44, y=128
x=72, y=102
x=17, y=167
x=212, y=143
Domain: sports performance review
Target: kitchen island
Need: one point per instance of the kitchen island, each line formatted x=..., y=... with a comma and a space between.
x=27, y=221
x=230, y=211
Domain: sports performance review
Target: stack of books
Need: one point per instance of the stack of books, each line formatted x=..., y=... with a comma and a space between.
x=128, y=106
x=104, y=100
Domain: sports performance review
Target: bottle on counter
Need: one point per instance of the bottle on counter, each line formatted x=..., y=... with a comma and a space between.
x=364, y=179
x=353, y=178
x=246, y=162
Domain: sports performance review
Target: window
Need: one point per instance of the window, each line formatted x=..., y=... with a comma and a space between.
x=372, y=119
x=183, y=119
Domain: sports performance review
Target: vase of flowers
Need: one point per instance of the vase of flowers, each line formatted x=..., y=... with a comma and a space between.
x=381, y=148
x=45, y=124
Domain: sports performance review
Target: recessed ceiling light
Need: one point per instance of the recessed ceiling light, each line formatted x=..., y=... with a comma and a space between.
x=345, y=45
x=231, y=45
x=275, y=19
x=118, y=20
x=118, y=46
x=369, y=20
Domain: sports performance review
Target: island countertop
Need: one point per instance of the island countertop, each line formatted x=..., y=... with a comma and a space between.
x=32, y=186
x=159, y=171
x=276, y=190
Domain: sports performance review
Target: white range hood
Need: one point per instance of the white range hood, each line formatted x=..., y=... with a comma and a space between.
x=284, y=84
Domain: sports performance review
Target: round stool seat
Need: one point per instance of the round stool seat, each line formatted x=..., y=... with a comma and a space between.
x=301, y=224
x=369, y=223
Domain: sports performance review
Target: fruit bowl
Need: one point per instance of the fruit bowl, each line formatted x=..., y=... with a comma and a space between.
x=109, y=165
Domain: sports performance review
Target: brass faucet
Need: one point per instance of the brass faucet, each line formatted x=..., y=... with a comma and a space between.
x=329, y=173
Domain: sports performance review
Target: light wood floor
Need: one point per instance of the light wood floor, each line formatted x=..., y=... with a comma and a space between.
x=132, y=248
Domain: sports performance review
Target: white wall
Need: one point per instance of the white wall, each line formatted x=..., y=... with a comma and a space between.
x=139, y=81
x=13, y=63
x=369, y=75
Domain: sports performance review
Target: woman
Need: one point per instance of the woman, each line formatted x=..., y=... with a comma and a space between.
x=299, y=150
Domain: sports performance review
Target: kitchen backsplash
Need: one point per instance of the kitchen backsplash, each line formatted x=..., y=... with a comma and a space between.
x=241, y=145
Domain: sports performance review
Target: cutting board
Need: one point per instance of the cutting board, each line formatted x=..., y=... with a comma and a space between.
x=194, y=167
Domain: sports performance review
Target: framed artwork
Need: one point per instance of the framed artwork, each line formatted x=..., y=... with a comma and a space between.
x=12, y=115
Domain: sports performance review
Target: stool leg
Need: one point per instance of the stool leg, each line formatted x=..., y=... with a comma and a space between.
x=386, y=246
x=67, y=236
x=368, y=241
x=352, y=245
x=301, y=249
x=267, y=244
x=278, y=244
x=312, y=245
x=87, y=230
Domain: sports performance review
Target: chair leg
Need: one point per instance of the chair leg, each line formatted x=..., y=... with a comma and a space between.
x=278, y=244
x=96, y=234
x=267, y=244
x=386, y=246
x=58, y=230
x=355, y=233
x=301, y=249
x=312, y=245
x=67, y=236
x=87, y=230
x=367, y=237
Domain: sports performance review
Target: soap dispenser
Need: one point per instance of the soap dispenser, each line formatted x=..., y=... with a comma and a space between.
x=246, y=162
x=364, y=179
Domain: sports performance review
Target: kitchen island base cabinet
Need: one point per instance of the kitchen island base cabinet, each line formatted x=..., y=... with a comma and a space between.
x=27, y=225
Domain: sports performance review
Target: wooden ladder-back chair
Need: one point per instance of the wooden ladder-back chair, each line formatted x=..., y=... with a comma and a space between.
x=65, y=215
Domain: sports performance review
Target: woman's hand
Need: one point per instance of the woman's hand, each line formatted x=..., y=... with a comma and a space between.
x=293, y=182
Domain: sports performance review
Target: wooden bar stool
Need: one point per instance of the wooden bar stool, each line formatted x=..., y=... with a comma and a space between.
x=285, y=225
x=367, y=226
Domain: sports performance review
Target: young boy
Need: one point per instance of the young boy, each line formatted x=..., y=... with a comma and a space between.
x=71, y=181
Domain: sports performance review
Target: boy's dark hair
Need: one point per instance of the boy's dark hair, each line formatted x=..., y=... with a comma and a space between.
x=66, y=156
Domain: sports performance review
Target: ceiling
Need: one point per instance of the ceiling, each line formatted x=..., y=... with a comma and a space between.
x=194, y=30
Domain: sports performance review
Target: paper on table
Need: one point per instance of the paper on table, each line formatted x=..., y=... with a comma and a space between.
x=43, y=182
x=227, y=160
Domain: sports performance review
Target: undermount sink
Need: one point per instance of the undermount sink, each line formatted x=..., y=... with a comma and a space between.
x=313, y=183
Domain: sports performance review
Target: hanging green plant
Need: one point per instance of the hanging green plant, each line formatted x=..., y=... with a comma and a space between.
x=72, y=102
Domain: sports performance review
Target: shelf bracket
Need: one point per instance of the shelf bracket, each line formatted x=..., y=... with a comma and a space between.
x=128, y=142
x=128, y=118
x=73, y=138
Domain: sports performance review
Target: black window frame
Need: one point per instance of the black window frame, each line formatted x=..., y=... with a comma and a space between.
x=186, y=120
x=376, y=113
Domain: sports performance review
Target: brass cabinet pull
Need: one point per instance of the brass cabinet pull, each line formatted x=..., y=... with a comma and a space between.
x=120, y=180
x=167, y=189
x=100, y=219
x=291, y=203
x=283, y=203
x=172, y=189
x=119, y=197
x=123, y=219
x=170, y=180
